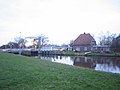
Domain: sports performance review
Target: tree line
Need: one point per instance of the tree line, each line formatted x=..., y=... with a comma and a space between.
x=111, y=40
x=21, y=43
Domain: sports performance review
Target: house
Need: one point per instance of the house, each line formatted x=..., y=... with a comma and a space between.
x=101, y=48
x=83, y=43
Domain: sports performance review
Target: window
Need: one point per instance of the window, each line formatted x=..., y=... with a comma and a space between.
x=93, y=42
x=78, y=49
x=85, y=48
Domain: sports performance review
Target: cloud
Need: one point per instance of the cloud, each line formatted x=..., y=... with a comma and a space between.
x=60, y=20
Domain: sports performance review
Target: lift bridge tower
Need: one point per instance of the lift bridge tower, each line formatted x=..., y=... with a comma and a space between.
x=39, y=41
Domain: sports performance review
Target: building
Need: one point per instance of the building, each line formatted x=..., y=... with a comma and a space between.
x=101, y=48
x=54, y=48
x=83, y=43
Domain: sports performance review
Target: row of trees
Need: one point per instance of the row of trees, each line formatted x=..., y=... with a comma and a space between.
x=111, y=40
x=106, y=38
x=21, y=42
x=115, y=46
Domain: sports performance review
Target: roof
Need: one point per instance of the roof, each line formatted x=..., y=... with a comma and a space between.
x=83, y=39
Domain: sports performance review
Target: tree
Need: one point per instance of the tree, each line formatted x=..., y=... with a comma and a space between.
x=115, y=46
x=13, y=45
x=106, y=39
x=40, y=41
x=4, y=47
x=10, y=45
x=44, y=40
x=20, y=41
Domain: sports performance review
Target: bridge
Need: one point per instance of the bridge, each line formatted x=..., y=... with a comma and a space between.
x=33, y=52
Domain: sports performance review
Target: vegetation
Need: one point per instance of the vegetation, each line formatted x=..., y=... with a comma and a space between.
x=10, y=45
x=106, y=39
x=25, y=73
x=72, y=53
x=116, y=44
x=111, y=54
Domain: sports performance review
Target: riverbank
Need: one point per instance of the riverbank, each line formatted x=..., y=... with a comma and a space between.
x=33, y=52
x=71, y=53
x=103, y=54
x=25, y=73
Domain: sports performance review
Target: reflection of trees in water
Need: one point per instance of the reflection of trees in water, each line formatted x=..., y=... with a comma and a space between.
x=110, y=64
x=91, y=62
x=97, y=63
x=112, y=61
x=84, y=62
x=45, y=57
x=107, y=68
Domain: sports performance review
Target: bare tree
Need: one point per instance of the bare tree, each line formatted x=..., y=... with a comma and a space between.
x=44, y=41
x=116, y=44
x=20, y=41
x=106, y=39
x=13, y=45
x=40, y=41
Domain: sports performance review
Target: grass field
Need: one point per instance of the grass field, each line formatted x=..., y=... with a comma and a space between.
x=25, y=73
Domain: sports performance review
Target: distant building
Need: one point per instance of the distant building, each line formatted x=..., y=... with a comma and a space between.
x=101, y=48
x=54, y=48
x=83, y=43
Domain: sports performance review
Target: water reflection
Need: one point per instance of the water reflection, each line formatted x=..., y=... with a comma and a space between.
x=60, y=59
x=108, y=64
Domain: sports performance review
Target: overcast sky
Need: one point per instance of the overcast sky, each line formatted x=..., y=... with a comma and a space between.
x=59, y=20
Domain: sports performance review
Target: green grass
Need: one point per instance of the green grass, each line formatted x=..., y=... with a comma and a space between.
x=73, y=53
x=25, y=73
x=112, y=54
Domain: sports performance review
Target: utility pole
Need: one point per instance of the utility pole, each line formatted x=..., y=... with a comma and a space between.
x=20, y=50
x=39, y=44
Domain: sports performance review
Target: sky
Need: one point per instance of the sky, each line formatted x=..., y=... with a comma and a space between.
x=59, y=20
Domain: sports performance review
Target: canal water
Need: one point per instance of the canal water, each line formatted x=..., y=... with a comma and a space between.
x=107, y=64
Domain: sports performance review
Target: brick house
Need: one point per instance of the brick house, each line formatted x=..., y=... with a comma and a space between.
x=83, y=43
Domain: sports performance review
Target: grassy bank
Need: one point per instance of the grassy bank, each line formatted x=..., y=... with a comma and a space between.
x=112, y=54
x=72, y=53
x=25, y=73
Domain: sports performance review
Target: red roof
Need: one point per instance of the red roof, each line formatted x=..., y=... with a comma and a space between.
x=83, y=39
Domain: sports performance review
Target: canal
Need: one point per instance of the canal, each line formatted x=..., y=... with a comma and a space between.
x=107, y=64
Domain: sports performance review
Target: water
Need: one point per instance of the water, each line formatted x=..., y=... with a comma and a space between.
x=107, y=64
